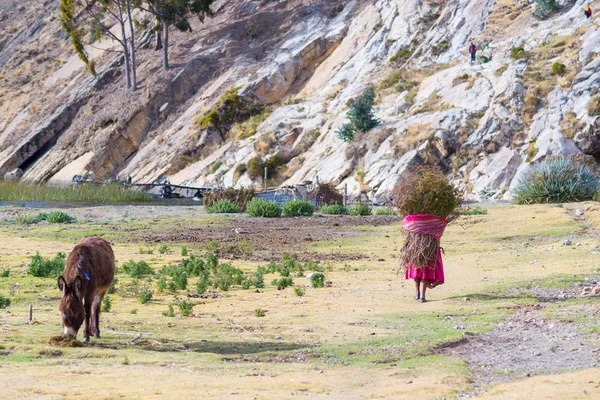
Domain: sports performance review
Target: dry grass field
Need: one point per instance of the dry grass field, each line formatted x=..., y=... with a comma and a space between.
x=511, y=321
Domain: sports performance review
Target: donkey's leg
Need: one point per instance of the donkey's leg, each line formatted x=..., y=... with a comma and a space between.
x=87, y=304
x=97, y=308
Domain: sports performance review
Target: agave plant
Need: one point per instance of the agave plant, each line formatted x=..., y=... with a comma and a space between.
x=557, y=180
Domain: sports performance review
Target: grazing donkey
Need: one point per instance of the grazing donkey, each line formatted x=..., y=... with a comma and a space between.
x=88, y=274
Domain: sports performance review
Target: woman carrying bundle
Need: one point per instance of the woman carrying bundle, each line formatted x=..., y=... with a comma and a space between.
x=428, y=202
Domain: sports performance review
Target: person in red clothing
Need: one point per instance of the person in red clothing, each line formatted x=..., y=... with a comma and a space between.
x=588, y=11
x=472, y=51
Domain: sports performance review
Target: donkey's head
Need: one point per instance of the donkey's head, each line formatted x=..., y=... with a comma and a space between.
x=71, y=305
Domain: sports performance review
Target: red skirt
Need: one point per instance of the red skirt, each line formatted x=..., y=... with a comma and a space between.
x=436, y=275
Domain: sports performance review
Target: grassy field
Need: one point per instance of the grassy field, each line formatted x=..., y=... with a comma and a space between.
x=361, y=336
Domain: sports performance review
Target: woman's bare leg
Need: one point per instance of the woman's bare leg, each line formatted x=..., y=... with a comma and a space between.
x=424, y=283
x=418, y=292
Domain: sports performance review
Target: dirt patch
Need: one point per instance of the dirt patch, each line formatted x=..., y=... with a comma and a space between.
x=269, y=238
x=65, y=341
x=526, y=344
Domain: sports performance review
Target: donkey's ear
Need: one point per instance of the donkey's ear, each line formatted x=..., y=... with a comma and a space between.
x=62, y=284
x=78, y=286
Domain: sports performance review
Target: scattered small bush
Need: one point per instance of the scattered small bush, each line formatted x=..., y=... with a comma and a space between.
x=223, y=206
x=133, y=311
x=170, y=312
x=401, y=56
x=317, y=280
x=27, y=219
x=59, y=217
x=240, y=197
x=558, y=68
x=255, y=168
x=298, y=291
x=262, y=208
x=185, y=308
x=137, y=269
x=113, y=288
x=360, y=209
x=361, y=117
x=516, y=53
x=203, y=284
x=297, y=208
x=334, y=209
x=184, y=251
x=259, y=312
x=226, y=276
x=144, y=294
x=106, y=304
x=384, y=211
x=473, y=211
x=164, y=249
x=5, y=273
x=146, y=251
x=282, y=283
x=558, y=180
x=4, y=301
x=43, y=267
x=594, y=107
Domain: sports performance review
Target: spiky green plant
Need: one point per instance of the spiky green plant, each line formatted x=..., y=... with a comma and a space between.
x=558, y=180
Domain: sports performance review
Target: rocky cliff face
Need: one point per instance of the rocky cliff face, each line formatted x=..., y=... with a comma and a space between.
x=279, y=75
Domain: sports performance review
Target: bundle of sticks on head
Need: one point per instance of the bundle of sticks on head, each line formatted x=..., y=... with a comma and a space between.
x=428, y=203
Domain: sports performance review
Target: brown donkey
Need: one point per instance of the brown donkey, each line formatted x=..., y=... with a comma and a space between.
x=88, y=274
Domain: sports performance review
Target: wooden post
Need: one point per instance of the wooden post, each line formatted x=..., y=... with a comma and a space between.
x=30, y=314
x=345, y=194
x=317, y=180
x=265, y=179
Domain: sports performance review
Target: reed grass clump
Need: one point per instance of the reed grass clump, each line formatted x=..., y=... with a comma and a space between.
x=117, y=193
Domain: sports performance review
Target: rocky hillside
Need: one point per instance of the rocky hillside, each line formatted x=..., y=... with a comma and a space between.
x=268, y=81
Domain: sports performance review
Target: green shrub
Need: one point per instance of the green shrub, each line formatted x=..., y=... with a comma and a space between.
x=216, y=167
x=558, y=68
x=28, y=219
x=5, y=273
x=133, y=311
x=545, y=8
x=240, y=170
x=334, y=209
x=259, y=312
x=43, y=268
x=360, y=209
x=516, y=53
x=298, y=291
x=193, y=266
x=144, y=294
x=146, y=251
x=59, y=217
x=184, y=251
x=255, y=168
x=361, y=116
x=440, y=47
x=317, y=280
x=226, y=276
x=161, y=284
x=384, y=211
x=401, y=56
x=558, y=180
x=113, y=288
x=238, y=196
x=164, y=249
x=203, y=284
x=392, y=79
x=106, y=304
x=473, y=211
x=262, y=208
x=297, y=208
x=185, y=308
x=427, y=191
x=223, y=206
x=137, y=269
x=282, y=283
x=170, y=312
x=4, y=301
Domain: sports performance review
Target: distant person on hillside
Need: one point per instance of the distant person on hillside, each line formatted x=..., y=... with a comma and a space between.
x=588, y=11
x=472, y=51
